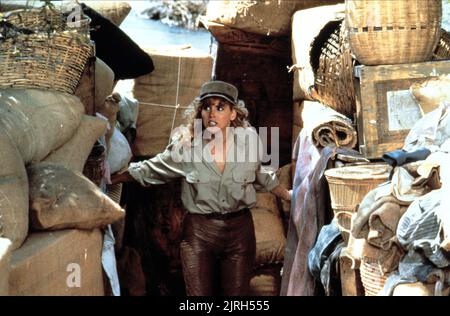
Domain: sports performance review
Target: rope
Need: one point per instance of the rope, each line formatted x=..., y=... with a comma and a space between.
x=164, y=105
x=177, y=105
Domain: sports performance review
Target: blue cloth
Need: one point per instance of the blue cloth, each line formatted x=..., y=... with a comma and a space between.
x=400, y=157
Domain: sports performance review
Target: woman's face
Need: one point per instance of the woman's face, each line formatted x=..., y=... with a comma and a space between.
x=217, y=114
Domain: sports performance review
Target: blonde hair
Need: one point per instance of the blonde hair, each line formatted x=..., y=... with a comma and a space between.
x=194, y=112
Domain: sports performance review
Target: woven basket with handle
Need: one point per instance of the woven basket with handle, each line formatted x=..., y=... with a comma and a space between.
x=394, y=31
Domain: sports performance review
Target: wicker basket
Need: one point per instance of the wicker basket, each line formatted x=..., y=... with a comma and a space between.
x=54, y=62
x=41, y=20
x=333, y=64
x=442, y=51
x=349, y=185
x=114, y=191
x=344, y=221
x=39, y=50
x=93, y=168
x=372, y=277
x=394, y=31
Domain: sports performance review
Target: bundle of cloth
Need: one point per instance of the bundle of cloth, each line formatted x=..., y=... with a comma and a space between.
x=327, y=127
x=380, y=211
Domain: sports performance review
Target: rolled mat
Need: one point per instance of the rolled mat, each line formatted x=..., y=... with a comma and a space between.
x=327, y=126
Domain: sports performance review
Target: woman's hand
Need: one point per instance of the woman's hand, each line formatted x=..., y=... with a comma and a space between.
x=282, y=192
x=121, y=177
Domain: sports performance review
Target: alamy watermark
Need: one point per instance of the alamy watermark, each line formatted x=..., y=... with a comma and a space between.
x=74, y=277
x=243, y=145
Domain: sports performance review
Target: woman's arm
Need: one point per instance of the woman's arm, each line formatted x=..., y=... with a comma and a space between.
x=282, y=192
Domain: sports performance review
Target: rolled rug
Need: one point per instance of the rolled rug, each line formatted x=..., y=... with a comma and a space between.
x=326, y=126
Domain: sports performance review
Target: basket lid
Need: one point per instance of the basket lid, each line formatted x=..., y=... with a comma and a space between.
x=360, y=172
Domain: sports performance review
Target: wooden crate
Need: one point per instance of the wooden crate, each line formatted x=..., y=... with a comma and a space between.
x=385, y=108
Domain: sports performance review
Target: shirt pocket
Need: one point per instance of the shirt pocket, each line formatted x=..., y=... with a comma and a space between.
x=242, y=189
x=197, y=177
x=243, y=176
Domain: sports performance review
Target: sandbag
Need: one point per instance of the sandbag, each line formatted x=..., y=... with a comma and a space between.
x=266, y=283
x=177, y=80
x=39, y=121
x=13, y=192
x=284, y=175
x=432, y=92
x=74, y=153
x=268, y=201
x=115, y=11
x=262, y=17
x=5, y=255
x=104, y=82
x=270, y=239
x=61, y=198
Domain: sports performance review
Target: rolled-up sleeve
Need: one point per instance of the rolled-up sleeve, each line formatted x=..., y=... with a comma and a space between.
x=157, y=170
x=266, y=179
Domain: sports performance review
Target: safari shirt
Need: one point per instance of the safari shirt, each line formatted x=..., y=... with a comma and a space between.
x=204, y=188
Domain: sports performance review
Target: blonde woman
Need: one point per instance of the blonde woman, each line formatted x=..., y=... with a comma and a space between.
x=220, y=171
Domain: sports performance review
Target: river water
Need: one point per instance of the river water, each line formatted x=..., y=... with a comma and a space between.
x=154, y=34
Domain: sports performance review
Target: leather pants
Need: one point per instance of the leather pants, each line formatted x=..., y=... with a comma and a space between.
x=217, y=254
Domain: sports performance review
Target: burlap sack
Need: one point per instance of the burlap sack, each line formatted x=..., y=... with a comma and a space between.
x=104, y=82
x=48, y=263
x=61, y=198
x=262, y=17
x=5, y=254
x=432, y=93
x=74, y=153
x=266, y=282
x=284, y=175
x=13, y=192
x=115, y=11
x=268, y=201
x=175, y=81
x=39, y=121
x=270, y=239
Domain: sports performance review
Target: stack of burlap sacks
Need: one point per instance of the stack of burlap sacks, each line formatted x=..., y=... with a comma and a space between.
x=46, y=140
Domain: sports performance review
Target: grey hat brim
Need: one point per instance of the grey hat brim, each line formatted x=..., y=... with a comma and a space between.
x=208, y=95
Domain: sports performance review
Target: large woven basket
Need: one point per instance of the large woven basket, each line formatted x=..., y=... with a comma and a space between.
x=333, y=64
x=348, y=186
x=40, y=54
x=394, y=31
